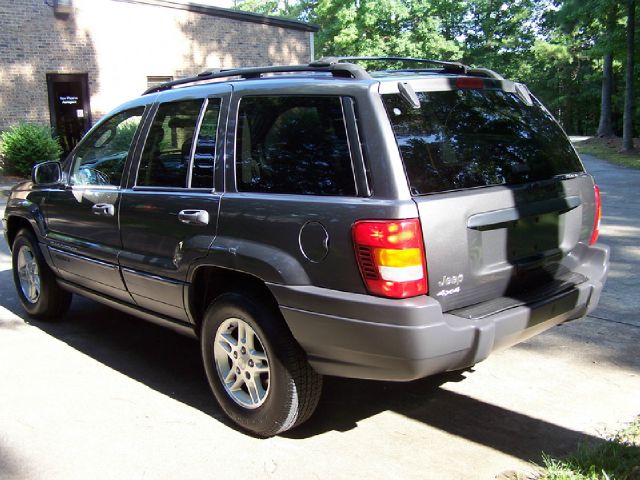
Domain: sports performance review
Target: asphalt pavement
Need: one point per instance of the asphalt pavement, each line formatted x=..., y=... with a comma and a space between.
x=103, y=395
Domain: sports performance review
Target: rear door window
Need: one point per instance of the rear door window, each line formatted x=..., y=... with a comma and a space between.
x=473, y=138
x=294, y=145
x=167, y=151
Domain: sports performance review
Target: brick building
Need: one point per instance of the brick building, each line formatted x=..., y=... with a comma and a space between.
x=68, y=62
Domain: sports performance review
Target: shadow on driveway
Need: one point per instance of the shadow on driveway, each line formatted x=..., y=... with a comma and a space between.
x=171, y=364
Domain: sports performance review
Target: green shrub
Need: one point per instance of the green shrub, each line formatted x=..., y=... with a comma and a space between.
x=26, y=144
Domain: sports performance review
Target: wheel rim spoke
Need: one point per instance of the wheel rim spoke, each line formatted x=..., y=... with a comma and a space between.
x=250, y=340
x=237, y=385
x=258, y=356
x=230, y=376
x=253, y=391
x=263, y=368
x=242, y=332
x=228, y=343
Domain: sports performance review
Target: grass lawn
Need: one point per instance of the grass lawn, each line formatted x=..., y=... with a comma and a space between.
x=609, y=149
x=617, y=458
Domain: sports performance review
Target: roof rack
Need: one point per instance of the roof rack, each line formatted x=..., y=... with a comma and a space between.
x=337, y=66
x=337, y=70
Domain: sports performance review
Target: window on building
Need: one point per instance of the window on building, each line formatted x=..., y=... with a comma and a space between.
x=100, y=159
x=167, y=151
x=157, y=80
x=295, y=145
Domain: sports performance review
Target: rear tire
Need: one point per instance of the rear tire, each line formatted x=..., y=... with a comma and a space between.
x=36, y=285
x=258, y=373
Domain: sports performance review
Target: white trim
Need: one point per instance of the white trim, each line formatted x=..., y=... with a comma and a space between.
x=401, y=274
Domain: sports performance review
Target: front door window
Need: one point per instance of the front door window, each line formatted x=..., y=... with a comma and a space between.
x=100, y=159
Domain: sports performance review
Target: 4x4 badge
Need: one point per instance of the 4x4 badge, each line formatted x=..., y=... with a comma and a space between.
x=444, y=293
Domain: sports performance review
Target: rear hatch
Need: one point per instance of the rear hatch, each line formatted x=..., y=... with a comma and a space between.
x=505, y=205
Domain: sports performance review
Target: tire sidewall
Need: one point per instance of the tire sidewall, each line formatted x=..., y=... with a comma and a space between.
x=264, y=420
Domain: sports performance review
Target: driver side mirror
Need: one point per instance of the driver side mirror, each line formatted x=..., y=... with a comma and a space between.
x=47, y=173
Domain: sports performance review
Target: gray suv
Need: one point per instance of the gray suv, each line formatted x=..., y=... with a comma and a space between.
x=319, y=219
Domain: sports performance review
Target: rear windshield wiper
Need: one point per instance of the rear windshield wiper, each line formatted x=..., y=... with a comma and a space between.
x=408, y=94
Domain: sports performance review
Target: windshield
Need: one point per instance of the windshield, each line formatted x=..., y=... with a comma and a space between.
x=473, y=138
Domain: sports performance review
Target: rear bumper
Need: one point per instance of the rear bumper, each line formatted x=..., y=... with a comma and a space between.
x=360, y=336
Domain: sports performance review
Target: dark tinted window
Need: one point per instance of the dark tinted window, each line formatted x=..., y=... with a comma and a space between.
x=204, y=155
x=471, y=138
x=293, y=145
x=167, y=151
x=100, y=159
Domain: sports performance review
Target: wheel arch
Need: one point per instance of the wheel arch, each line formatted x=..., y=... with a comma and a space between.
x=210, y=281
x=15, y=223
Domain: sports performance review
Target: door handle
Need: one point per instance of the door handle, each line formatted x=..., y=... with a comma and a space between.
x=194, y=217
x=105, y=209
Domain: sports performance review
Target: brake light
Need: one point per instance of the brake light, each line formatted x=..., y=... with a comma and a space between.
x=469, y=82
x=598, y=216
x=390, y=256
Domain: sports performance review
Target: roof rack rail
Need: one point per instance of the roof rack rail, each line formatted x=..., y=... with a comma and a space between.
x=485, y=72
x=337, y=66
x=455, y=67
x=336, y=69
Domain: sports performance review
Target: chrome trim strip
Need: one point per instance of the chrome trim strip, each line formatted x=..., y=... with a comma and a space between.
x=110, y=266
x=137, y=273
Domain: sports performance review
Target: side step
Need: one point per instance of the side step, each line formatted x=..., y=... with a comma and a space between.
x=176, y=325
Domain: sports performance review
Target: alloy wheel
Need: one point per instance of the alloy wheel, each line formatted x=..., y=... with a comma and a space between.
x=242, y=363
x=29, y=274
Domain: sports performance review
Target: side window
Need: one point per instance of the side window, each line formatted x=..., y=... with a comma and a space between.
x=100, y=159
x=167, y=151
x=204, y=155
x=295, y=145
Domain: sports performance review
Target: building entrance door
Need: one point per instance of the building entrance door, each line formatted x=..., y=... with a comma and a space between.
x=69, y=107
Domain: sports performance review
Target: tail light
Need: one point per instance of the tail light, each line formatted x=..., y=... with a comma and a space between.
x=391, y=258
x=472, y=83
x=598, y=216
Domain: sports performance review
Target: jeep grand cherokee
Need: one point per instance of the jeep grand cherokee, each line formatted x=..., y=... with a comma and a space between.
x=319, y=219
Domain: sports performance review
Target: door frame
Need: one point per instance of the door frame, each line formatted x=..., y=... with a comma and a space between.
x=69, y=77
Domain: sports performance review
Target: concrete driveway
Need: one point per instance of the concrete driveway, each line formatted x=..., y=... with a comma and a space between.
x=103, y=395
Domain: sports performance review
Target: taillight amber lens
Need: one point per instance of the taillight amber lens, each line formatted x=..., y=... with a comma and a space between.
x=598, y=216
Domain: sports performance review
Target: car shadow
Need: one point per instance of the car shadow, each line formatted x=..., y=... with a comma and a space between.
x=171, y=364
x=345, y=402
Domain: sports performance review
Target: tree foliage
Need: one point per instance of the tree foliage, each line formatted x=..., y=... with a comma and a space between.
x=25, y=145
x=558, y=47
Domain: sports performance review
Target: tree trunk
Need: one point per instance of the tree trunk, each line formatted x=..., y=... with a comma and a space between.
x=605, y=128
x=627, y=132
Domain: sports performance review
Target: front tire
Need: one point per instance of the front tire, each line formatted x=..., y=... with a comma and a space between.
x=257, y=372
x=36, y=285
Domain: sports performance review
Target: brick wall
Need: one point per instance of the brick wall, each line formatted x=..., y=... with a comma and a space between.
x=119, y=44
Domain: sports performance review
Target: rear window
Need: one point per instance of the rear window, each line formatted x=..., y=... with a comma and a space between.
x=474, y=138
